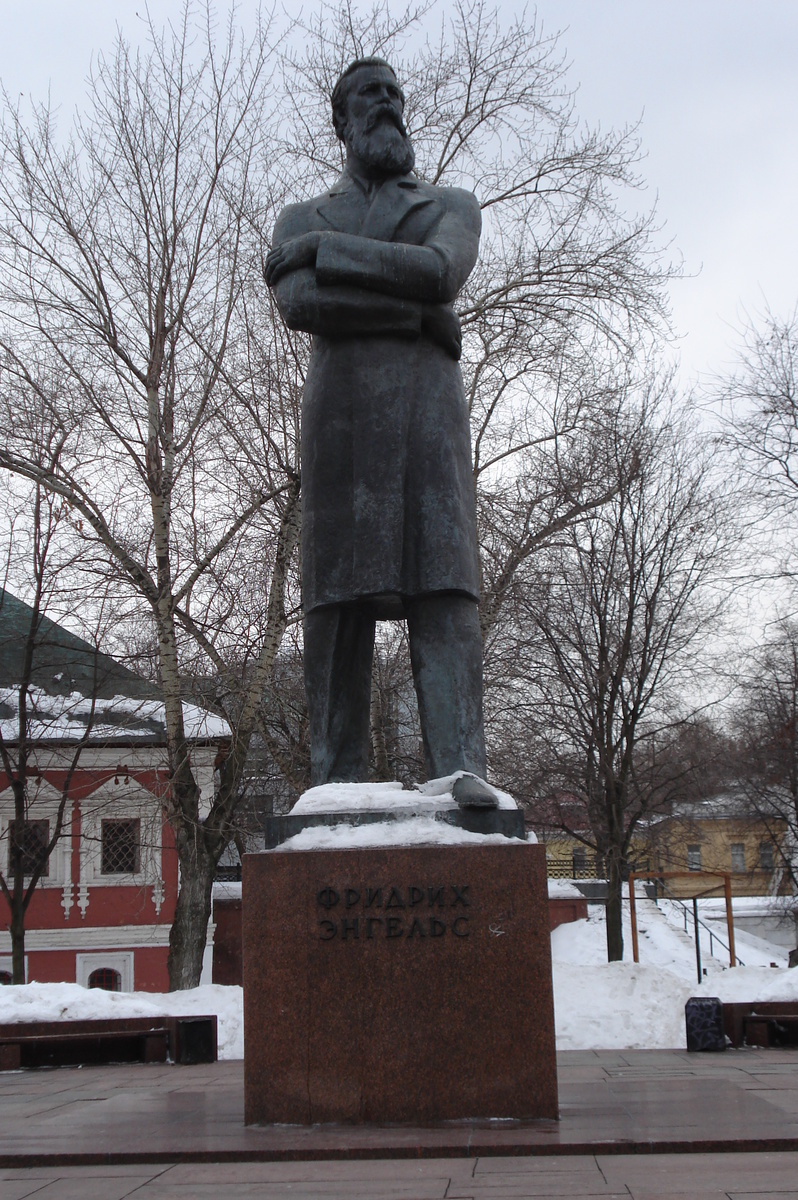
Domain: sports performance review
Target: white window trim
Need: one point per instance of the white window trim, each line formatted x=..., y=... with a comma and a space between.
x=117, y=803
x=43, y=807
x=121, y=962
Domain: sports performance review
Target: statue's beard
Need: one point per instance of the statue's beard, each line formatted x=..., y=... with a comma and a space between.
x=384, y=148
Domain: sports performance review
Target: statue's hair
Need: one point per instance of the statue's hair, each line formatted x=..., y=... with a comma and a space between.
x=341, y=89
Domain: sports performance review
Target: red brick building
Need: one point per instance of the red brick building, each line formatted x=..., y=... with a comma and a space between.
x=101, y=913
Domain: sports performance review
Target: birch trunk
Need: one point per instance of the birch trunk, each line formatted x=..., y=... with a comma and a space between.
x=190, y=927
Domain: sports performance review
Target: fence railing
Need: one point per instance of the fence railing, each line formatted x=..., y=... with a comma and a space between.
x=568, y=870
x=700, y=923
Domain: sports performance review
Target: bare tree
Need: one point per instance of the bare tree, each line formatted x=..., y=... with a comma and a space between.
x=131, y=256
x=607, y=644
x=33, y=832
x=760, y=405
x=767, y=739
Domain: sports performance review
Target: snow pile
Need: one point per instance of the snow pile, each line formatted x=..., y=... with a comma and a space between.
x=632, y=1006
x=564, y=889
x=618, y=1006
x=640, y=1006
x=71, y=1002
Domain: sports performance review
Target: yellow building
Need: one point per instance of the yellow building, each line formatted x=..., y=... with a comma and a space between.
x=719, y=834
x=568, y=858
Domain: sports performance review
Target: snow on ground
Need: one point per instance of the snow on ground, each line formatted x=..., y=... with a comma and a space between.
x=598, y=1005
x=640, y=1006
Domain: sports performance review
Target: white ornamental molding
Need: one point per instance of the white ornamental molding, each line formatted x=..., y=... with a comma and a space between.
x=123, y=800
x=94, y=937
x=43, y=802
x=157, y=895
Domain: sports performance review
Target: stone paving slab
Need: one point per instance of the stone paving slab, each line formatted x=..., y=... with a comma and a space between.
x=699, y=1176
x=612, y=1103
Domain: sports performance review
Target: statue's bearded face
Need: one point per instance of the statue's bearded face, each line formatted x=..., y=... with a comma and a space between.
x=374, y=129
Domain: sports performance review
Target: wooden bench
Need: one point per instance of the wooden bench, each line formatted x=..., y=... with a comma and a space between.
x=763, y=1029
x=182, y=1040
x=771, y=1023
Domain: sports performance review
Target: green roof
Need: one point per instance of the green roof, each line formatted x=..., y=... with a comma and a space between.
x=62, y=662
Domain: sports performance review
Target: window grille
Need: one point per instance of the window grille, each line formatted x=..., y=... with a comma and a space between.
x=693, y=858
x=121, y=847
x=35, y=839
x=106, y=978
x=737, y=857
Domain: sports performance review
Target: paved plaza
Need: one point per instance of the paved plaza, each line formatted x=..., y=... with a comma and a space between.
x=641, y=1124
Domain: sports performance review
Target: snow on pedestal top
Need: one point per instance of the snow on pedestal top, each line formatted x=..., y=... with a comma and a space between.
x=424, y=798
x=410, y=816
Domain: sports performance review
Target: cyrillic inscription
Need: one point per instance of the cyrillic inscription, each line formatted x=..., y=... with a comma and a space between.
x=391, y=927
x=416, y=924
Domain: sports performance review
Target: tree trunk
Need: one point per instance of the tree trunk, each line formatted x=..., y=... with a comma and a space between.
x=17, y=931
x=378, y=745
x=614, y=906
x=15, y=895
x=192, y=913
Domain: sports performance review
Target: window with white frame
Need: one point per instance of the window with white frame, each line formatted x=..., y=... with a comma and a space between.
x=43, y=804
x=738, y=857
x=31, y=844
x=694, y=858
x=111, y=970
x=121, y=837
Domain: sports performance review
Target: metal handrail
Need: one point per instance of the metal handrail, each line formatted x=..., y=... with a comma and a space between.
x=712, y=936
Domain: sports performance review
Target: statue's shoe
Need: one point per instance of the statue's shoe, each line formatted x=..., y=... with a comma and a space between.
x=471, y=792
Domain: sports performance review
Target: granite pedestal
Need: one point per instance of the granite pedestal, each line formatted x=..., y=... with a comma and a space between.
x=398, y=984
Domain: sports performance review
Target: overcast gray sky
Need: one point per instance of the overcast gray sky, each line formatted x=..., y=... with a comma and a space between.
x=714, y=81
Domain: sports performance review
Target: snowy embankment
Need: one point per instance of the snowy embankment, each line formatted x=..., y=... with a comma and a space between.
x=640, y=1006
x=598, y=1005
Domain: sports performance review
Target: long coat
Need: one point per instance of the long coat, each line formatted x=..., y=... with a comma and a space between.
x=388, y=496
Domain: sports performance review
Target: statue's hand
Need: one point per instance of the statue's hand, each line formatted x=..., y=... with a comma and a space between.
x=291, y=255
x=441, y=324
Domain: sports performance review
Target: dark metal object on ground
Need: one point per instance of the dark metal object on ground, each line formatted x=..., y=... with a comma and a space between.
x=703, y=1017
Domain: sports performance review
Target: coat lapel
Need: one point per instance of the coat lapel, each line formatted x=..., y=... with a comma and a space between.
x=346, y=208
x=394, y=200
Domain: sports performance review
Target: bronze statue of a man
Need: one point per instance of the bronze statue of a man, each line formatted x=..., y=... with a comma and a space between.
x=371, y=269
